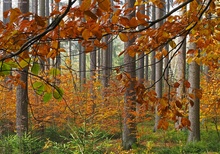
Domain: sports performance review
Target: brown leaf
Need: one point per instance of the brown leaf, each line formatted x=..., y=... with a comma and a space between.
x=187, y=84
x=176, y=85
x=198, y=93
x=178, y=104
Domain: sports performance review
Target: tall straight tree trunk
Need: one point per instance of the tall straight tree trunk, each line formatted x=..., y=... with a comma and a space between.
x=140, y=70
x=82, y=63
x=194, y=113
x=22, y=92
x=129, y=129
x=107, y=61
x=159, y=69
x=153, y=68
x=92, y=64
x=6, y=6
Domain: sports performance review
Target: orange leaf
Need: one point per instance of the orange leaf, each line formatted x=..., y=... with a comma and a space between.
x=185, y=122
x=115, y=19
x=14, y=13
x=163, y=124
x=57, y=1
x=123, y=37
x=85, y=5
x=54, y=44
x=104, y=4
x=86, y=34
x=124, y=21
x=164, y=51
x=133, y=22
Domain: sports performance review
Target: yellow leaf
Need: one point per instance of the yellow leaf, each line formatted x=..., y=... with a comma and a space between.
x=172, y=44
x=86, y=34
x=25, y=62
x=54, y=44
x=138, y=2
x=123, y=37
x=14, y=13
x=115, y=19
x=85, y=5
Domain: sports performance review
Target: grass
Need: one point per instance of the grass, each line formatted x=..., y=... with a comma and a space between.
x=149, y=142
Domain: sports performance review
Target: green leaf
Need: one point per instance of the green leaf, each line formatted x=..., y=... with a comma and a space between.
x=54, y=71
x=5, y=69
x=39, y=87
x=35, y=68
x=47, y=97
x=58, y=93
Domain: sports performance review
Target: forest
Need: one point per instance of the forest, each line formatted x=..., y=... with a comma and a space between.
x=109, y=76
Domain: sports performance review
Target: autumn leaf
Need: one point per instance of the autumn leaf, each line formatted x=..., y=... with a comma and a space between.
x=185, y=122
x=176, y=85
x=115, y=19
x=178, y=104
x=163, y=124
x=57, y=1
x=104, y=4
x=164, y=51
x=14, y=13
x=123, y=37
x=85, y=5
x=198, y=93
x=39, y=21
x=172, y=44
x=187, y=84
x=90, y=14
x=133, y=23
x=86, y=34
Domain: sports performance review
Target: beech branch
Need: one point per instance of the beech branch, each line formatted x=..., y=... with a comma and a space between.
x=36, y=38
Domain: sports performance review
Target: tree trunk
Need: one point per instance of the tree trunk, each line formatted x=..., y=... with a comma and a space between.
x=194, y=113
x=22, y=92
x=159, y=69
x=129, y=121
x=107, y=61
x=6, y=6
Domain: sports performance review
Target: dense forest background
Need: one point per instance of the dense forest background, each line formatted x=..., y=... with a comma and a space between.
x=109, y=76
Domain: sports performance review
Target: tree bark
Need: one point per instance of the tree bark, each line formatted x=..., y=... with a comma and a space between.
x=129, y=119
x=22, y=91
x=194, y=113
x=159, y=69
